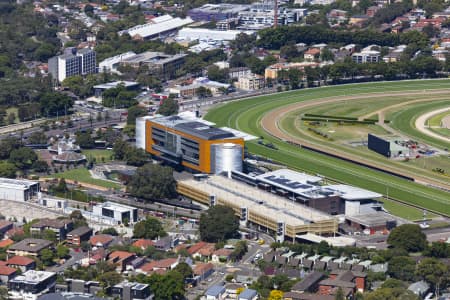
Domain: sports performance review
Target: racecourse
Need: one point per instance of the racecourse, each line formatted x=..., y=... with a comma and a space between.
x=246, y=115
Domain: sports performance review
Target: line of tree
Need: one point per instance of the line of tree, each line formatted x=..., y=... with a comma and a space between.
x=275, y=38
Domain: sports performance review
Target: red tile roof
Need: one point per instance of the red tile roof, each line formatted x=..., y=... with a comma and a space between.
x=4, y=270
x=202, y=268
x=120, y=255
x=207, y=250
x=223, y=252
x=2, y=263
x=158, y=264
x=100, y=239
x=19, y=261
x=14, y=231
x=143, y=243
x=6, y=243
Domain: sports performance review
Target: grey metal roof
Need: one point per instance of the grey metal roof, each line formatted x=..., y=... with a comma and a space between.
x=203, y=131
x=215, y=290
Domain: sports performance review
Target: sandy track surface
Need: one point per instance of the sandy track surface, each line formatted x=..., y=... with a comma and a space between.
x=420, y=124
x=270, y=123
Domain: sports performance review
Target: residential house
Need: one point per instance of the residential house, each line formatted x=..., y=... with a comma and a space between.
x=306, y=296
x=337, y=16
x=366, y=56
x=311, y=54
x=205, y=253
x=247, y=276
x=358, y=20
x=29, y=247
x=236, y=73
x=310, y=283
x=6, y=274
x=5, y=226
x=248, y=294
x=166, y=243
x=101, y=240
x=121, y=259
x=372, y=10
x=132, y=291
x=420, y=288
x=203, y=270
x=17, y=231
x=21, y=262
x=79, y=235
x=143, y=244
x=250, y=82
x=59, y=226
x=6, y=243
x=159, y=266
x=349, y=281
x=216, y=292
x=232, y=290
x=221, y=255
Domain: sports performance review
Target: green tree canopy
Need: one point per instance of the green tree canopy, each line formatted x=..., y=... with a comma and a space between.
x=402, y=267
x=434, y=272
x=23, y=158
x=168, y=107
x=135, y=112
x=409, y=237
x=149, y=228
x=8, y=170
x=218, y=223
x=184, y=269
x=153, y=181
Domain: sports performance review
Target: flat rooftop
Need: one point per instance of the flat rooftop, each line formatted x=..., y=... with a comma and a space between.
x=349, y=192
x=258, y=201
x=110, y=85
x=290, y=180
x=373, y=219
x=196, y=128
x=33, y=277
x=309, y=186
x=16, y=184
x=158, y=26
x=152, y=57
x=30, y=245
x=116, y=206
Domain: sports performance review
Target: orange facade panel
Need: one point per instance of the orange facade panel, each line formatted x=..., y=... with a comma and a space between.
x=204, y=160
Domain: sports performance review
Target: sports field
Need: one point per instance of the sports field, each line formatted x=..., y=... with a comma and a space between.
x=246, y=115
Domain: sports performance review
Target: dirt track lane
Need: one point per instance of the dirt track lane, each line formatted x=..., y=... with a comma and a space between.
x=270, y=123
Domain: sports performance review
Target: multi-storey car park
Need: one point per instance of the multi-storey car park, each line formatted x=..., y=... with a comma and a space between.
x=265, y=210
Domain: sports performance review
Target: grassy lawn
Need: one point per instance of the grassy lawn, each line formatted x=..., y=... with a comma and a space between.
x=358, y=108
x=12, y=110
x=404, y=120
x=441, y=131
x=83, y=175
x=339, y=137
x=246, y=115
x=437, y=119
x=404, y=211
x=346, y=132
x=100, y=155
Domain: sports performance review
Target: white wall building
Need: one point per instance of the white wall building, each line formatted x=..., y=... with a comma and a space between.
x=31, y=285
x=18, y=190
x=189, y=34
x=116, y=211
x=80, y=62
x=111, y=63
x=157, y=28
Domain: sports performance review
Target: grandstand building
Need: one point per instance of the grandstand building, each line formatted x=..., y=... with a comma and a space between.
x=191, y=142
